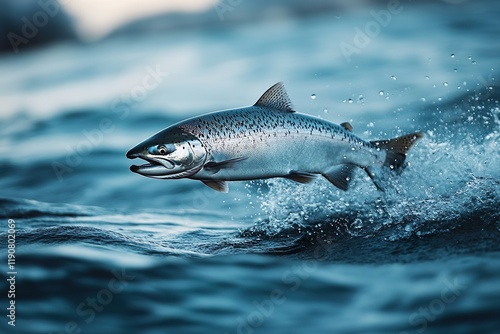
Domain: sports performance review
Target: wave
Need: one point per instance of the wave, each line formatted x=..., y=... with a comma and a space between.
x=385, y=230
x=445, y=202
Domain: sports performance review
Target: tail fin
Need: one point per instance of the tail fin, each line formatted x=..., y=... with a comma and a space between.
x=396, y=149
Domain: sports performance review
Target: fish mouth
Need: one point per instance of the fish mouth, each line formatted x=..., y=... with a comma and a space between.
x=153, y=167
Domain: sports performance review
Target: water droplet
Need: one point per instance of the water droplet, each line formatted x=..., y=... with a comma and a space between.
x=313, y=96
x=350, y=100
x=455, y=70
x=427, y=77
x=381, y=93
x=445, y=84
x=440, y=98
x=393, y=77
x=452, y=55
x=325, y=111
x=423, y=99
x=361, y=99
x=470, y=58
x=473, y=62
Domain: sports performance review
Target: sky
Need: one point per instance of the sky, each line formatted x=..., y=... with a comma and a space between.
x=96, y=18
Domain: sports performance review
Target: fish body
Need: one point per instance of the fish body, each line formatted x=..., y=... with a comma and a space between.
x=266, y=140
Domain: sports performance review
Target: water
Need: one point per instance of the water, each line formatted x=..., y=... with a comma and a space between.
x=102, y=250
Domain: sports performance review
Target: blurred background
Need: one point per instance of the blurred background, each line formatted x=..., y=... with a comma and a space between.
x=68, y=65
x=81, y=82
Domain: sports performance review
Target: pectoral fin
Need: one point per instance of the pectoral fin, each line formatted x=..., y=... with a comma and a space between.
x=340, y=176
x=215, y=167
x=217, y=185
x=301, y=177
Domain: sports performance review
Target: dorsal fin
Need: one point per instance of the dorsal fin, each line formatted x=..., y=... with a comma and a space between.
x=276, y=98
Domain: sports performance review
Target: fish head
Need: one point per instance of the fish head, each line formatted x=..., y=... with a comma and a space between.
x=170, y=154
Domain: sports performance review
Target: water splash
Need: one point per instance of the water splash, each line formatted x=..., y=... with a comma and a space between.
x=444, y=181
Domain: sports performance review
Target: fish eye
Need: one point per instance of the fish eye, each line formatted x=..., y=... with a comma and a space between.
x=159, y=149
x=162, y=149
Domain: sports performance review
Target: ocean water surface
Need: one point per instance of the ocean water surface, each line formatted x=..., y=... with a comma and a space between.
x=99, y=249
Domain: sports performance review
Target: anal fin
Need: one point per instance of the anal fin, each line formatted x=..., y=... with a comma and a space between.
x=217, y=185
x=340, y=176
x=301, y=177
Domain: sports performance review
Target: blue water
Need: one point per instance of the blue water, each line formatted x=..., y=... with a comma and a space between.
x=102, y=250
